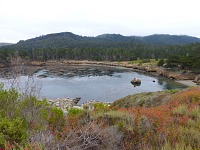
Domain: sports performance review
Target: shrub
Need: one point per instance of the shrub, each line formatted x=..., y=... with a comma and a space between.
x=2, y=140
x=181, y=110
x=101, y=107
x=119, y=119
x=56, y=118
x=178, y=146
x=9, y=100
x=195, y=113
x=192, y=123
x=145, y=60
x=144, y=125
x=74, y=111
x=13, y=130
x=35, y=112
x=190, y=136
x=94, y=136
x=161, y=62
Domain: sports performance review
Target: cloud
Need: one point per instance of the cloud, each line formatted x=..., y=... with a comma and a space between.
x=24, y=19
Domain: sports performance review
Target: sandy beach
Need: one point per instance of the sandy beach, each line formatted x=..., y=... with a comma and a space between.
x=187, y=82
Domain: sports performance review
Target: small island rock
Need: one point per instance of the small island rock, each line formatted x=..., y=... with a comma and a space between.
x=136, y=81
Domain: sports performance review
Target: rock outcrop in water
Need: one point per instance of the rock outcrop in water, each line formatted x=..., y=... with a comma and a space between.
x=136, y=82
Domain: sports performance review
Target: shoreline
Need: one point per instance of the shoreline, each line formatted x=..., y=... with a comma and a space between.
x=185, y=79
x=188, y=83
x=180, y=76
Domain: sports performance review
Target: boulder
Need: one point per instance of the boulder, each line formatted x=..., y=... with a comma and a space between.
x=197, y=79
x=76, y=100
x=136, y=82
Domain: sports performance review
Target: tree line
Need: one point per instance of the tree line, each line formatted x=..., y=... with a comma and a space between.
x=185, y=56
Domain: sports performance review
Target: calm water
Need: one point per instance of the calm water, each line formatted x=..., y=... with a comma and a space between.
x=92, y=82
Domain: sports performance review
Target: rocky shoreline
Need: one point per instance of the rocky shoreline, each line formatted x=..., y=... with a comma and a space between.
x=66, y=104
x=178, y=75
x=186, y=77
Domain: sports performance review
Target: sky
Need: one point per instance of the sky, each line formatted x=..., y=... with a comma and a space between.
x=25, y=19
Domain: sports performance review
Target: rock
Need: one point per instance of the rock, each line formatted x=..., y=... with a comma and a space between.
x=136, y=82
x=57, y=104
x=77, y=107
x=76, y=100
x=50, y=102
x=42, y=76
x=197, y=79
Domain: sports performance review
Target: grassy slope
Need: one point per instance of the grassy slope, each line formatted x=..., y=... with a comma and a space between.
x=148, y=99
x=159, y=120
x=166, y=120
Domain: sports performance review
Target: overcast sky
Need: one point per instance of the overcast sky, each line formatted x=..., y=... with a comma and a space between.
x=25, y=19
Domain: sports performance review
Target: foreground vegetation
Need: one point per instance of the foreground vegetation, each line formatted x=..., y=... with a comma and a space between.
x=161, y=120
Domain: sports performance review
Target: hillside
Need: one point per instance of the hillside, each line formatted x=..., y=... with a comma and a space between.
x=120, y=38
x=170, y=39
x=160, y=39
x=171, y=123
x=149, y=99
x=70, y=40
x=107, y=47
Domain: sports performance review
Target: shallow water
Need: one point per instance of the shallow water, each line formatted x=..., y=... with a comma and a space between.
x=91, y=82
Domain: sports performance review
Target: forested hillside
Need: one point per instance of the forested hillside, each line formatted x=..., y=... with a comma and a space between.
x=170, y=39
x=70, y=40
x=109, y=47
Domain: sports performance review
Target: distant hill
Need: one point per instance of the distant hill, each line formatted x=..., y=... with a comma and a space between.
x=70, y=40
x=120, y=38
x=161, y=39
x=180, y=50
x=170, y=39
x=5, y=44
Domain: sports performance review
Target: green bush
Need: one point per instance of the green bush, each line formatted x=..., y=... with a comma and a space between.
x=74, y=111
x=145, y=60
x=101, y=107
x=35, y=112
x=56, y=118
x=14, y=130
x=181, y=110
x=161, y=62
x=195, y=112
x=192, y=123
x=2, y=140
x=117, y=118
x=9, y=100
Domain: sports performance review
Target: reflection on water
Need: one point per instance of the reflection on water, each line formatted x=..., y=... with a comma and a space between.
x=160, y=81
x=97, y=82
